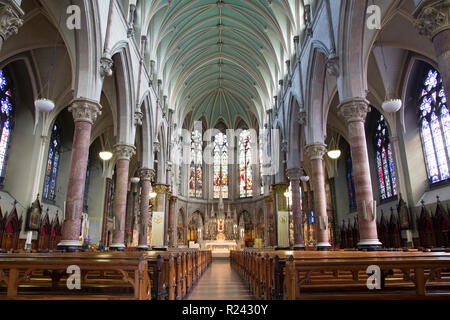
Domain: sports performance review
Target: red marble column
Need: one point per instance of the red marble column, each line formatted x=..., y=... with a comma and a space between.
x=160, y=206
x=84, y=112
x=172, y=225
x=123, y=155
x=354, y=111
x=433, y=21
x=294, y=176
x=146, y=176
x=315, y=153
x=270, y=220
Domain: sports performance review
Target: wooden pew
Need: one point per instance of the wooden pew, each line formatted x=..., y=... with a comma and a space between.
x=265, y=270
x=167, y=279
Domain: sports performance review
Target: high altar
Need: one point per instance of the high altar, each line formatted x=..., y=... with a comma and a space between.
x=221, y=246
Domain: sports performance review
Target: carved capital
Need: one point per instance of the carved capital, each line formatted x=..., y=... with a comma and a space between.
x=280, y=188
x=354, y=110
x=138, y=117
x=10, y=19
x=161, y=188
x=85, y=110
x=146, y=174
x=333, y=66
x=106, y=64
x=301, y=118
x=124, y=151
x=432, y=17
x=294, y=174
x=316, y=151
x=157, y=146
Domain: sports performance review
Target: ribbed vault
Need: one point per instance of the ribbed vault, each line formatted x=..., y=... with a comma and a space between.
x=220, y=59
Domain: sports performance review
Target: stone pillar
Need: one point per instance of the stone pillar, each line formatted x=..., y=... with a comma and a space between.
x=354, y=111
x=172, y=225
x=160, y=205
x=279, y=190
x=294, y=176
x=123, y=155
x=10, y=20
x=84, y=112
x=268, y=201
x=433, y=20
x=146, y=176
x=315, y=153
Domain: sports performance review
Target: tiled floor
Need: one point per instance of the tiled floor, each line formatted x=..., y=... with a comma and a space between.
x=220, y=282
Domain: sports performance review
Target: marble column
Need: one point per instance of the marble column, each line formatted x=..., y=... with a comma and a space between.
x=316, y=153
x=433, y=20
x=10, y=20
x=146, y=176
x=85, y=113
x=123, y=155
x=294, y=176
x=172, y=222
x=280, y=201
x=160, y=204
x=354, y=112
x=268, y=201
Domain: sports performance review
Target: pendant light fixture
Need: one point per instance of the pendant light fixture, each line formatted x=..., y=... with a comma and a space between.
x=334, y=153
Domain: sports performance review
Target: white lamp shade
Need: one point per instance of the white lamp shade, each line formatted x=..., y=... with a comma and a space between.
x=152, y=195
x=392, y=106
x=44, y=105
x=135, y=180
x=304, y=178
x=334, y=154
x=105, y=155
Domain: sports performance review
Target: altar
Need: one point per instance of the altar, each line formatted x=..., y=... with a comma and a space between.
x=220, y=248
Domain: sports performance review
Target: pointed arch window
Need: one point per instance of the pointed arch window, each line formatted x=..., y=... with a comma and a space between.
x=6, y=120
x=245, y=164
x=53, y=160
x=350, y=174
x=220, y=165
x=387, y=181
x=435, y=127
x=196, y=172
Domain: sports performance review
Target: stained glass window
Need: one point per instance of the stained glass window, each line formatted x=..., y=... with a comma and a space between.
x=53, y=160
x=385, y=160
x=6, y=121
x=195, y=176
x=350, y=181
x=245, y=164
x=435, y=127
x=220, y=165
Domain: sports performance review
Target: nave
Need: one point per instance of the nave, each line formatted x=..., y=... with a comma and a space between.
x=220, y=282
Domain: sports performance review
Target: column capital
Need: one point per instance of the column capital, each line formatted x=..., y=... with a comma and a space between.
x=294, y=174
x=316, y=151
x=124, y=151
x=10, y=19
x=146, y=174
x=280, y=187
x=432, y=17
x=85, y=110
x=354, y=109
x=161, y=188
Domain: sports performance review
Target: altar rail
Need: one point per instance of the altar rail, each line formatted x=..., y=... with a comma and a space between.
x=288, y=275
x=149, y=275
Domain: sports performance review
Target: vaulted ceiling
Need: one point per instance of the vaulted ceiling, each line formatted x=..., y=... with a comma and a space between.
x=221, y=59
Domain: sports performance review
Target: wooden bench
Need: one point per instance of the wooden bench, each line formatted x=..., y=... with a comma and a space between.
x=170, y=274
x=265, y=271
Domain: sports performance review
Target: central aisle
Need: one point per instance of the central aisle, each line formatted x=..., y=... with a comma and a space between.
x=220, y=282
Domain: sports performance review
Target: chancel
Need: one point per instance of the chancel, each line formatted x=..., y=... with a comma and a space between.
x=224, y=149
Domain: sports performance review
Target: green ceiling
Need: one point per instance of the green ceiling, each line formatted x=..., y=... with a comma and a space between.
x=220, y=59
